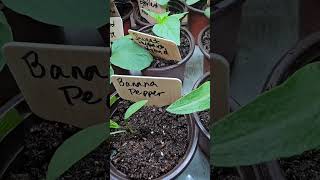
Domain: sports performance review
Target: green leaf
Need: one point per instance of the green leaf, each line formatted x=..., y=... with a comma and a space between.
x=197, y=100
x=8, y=122
x=207, y=12
x=191, y=2
x=128, y=55
x=113, y=99
x=70, y=13
x=162, y=2
x=75, y=148
x=159, y=17
x=134, y=108
x=169, y=29
x=5, y=36
x=114, y=125
x=280, y=123
x=179, y=16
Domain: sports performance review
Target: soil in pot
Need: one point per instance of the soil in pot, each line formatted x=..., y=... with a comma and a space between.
x=158, y=144
x=41, y=141
x=205, y=39
x=304, y=166
x=184, y=49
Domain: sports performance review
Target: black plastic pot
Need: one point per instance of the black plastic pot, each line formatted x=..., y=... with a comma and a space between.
x=305, y=52
x=125, y=15
x=180, y=167
x=176, y=70
x=9, y=87
x=309, y=15
x=174, y=5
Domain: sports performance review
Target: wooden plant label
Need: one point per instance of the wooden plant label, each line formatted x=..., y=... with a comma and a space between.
x=157, y=90
x=116, y=28
x=150, y=5
x=62, y=83
x=114, y=10
x=157, y=46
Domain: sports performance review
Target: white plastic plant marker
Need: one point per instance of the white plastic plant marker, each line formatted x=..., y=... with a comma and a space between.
x=157, y=46
x=159, y=91
x=150, y=5
x=61, y=83
x=116, y=28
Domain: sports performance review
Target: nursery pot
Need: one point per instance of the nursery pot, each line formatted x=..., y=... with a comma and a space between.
x=177, y=70
x=125, y=10
x=174, y=6
x=305, y=52
x=309, y=15
x=193, y=133
x=9, y=87
x=227, y=20
x=203, y=48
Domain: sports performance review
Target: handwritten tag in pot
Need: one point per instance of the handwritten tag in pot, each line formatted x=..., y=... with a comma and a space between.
x=62, y=83
x=116, y=28
x=157, y=46
x=157, y=90
x=150, y=5
x=114, y=10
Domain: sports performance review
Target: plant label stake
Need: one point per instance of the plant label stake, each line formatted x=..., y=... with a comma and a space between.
x=116, y=28
x=114, y=10
x=150, y=5
x=157, y=46
x=157, y=90
x=62, y=83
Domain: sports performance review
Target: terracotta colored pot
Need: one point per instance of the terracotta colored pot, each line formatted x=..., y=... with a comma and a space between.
x=174, y=5
x=206, y=55
x=180, y=167
x=176, y=70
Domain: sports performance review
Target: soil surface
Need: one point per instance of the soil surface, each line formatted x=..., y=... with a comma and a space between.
x=225, y=174
x=204, y=117
x=159, y=142
x=305, y=166
x=206, y=40
x=184, y=49
x=42, y=140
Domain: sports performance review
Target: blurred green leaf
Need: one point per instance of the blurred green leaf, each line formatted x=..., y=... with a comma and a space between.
x=134, y=108
x=280, y=123
x=114, y=125
x=69, y=13
x=8, y=122
x=75, y=148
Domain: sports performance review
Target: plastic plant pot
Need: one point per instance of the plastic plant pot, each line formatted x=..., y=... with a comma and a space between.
x=309, y=15
x=175, y=6
x=10, y=87
x=125, y=10
x=177, y=70
x=204, y=37
x=193, y=133
x=227, y=20
x=305, y=52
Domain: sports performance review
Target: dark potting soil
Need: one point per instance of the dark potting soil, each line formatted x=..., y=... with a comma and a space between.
x=158, y=144
x=42, y=140
x=224, y=174
x=184, y=49
x=301, y=167
x=204, y=117
x=206, y=40
x=123, y=7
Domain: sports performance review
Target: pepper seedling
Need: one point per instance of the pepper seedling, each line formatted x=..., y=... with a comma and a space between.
x=167, y=26
x=206, y=11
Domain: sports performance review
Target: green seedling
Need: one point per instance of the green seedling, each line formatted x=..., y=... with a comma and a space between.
x=167, y=26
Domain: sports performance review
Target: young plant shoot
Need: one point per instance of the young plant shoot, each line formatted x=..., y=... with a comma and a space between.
x=166, y=26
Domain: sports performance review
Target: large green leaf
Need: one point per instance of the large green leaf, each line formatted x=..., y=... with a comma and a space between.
x=5, y=36
x=68, y=13
x=75, y=148
x=280, y=123
x=8, y=122
x=128, y=55
x=134, y=108
x=197, y=100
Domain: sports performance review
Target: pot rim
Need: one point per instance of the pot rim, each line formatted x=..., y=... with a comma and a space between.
x=234, y=105
x=193, y=136
x=220, y=7
x=127, y=16
x=307, y=47
x=136, y=13
x=200, y=44
x=187, y=33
